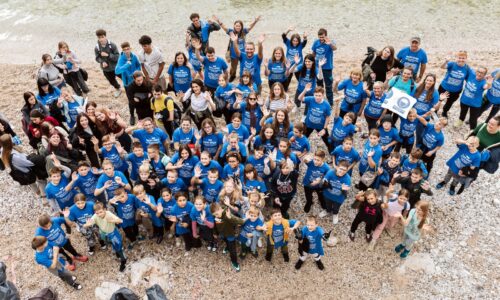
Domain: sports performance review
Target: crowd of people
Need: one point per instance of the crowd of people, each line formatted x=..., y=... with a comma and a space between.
x=206, y=159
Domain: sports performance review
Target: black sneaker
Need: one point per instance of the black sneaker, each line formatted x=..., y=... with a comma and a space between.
x=320, y=265
x=243, y=254
x=307, y=208
x=351, y=236
x=77, y=286
x=286, y=257
x=269, y=256
x=369, y=238
x=255, y=254
x=123, y=265
x=132, y=120
x=298, y=264
x=159, y=239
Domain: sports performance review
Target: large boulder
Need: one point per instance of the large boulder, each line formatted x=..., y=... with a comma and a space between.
x=149, y=271
x=106, y=290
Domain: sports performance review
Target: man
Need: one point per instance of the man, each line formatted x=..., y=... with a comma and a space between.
x=323, y=48
x=213, y=66
x=248, y=60
x=139, y=93
x=106, y=54
x=414, y=57
x=152, y=62
x=202, y=29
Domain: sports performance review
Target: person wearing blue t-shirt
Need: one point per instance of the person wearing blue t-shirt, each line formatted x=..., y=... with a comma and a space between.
x=299, y=142
x=125, y=209
x=261, y=162
x=180, y=216
x=407, y=129
x=354, y=93
x=311, y=243
x=278, y=233
x=184, y=162
x=174, y=183
x=307, y=72
x=432, y=139
x=210, y=186
x=389, y=137
x=209, y=139
x=345, y=152
x=136, y=158
x=313, y=178
x=146, y=132
x=180, y=74
x=414, y=57
x=146, y=207
x=249, y=61
x=233, y=169
x=323, y=49
x=294, y=47
x=213, y=65
x=250, y=110
x=276, y=68
x=460, y=165
x=250, y=232
x=472, y=96
x=185, y=134
x=371, y=156
x=225, y=93
x=237, y=127
x=373, y=109
x=492, y=97
x=59, y=195
x=164, y=210
x=202, y=223
x=251, y=181
x=112, y=151
x=233, y=145
x=318, y=113
x=453, y=81
x=110, y=180
x=342, y=128
x=336, y=184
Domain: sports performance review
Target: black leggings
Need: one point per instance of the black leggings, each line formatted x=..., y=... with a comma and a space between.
x=428, y=160
x=288, y=80
x=308, y=192
x=451, y=99
x=285, y=205
x=333, y=207
x=474, y=113
x=493, y=111
x=111, y=77
x=405, y=144
x=372, y=123
x=370, y=223
x=231, y=247
x=69, y=248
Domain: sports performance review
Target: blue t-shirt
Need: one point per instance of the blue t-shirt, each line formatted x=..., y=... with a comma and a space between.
x=195, y=215
x=334, y=192
x=386, y=137
x=211, y=143
x=126, y=211
x=114, y=156
x=181, y=77
x=315, y=240
x=251, y=65
x=46, y=257
x=136, y=162
x=59, y=194
x=353, y=95
x=177, y=186
x=246, y=90
x=248, y=227
x=114, y=186
x=80, y=216
x=269, y=145
x=241, y=43
x=167, y=207
x=158, y=136
x=408, y=166
x=278, y=234
x=182, y=215
x=230, y=172
x=455, y=76
x=140, y=205
x=373, y=108
x=213, y=70
x=242, y=131
x=73, y=111
x=225, y=94
x=213, y=164
x=211, y=191
x=187, y=170
x=340, y=132
x=412, y=59
x=259, y=165
x=253, y=185
x=341, y=155
x=48, y=99
x=464, y=158
x=246, y=116
x=280, y=157
x=316, y=113
x=55, y=234
x=291, y=50
x=407, y=129
x=159, y=168
x=300, y=144
x=182, y=137
x=314, y=172
x=323, y=51
x=193, y=60
x=472, y=94
x=242, y=149
x=493, y=94
x=277, y=71
x=304, y=80
x=363, y=164
x=431, y=138
x=423, y=106
x=86, y=184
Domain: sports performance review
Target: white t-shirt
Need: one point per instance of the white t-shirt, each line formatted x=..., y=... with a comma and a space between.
x=152, y=61
x=198, y=103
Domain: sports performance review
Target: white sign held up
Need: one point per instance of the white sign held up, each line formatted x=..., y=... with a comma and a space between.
x=399, y=102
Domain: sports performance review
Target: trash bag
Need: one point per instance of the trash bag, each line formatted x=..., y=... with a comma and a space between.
x=8, y=290
x=45, y=294
x=156, y=293
x=124, y=294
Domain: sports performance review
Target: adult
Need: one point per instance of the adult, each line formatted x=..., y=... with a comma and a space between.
x=377, y=64
x=414, y=57
x=30, y=104
x=492, y=97
x=214, y=66
x=354, y=94
x=374, y=111
x=472, y=96
x=180, y=74
x=248, y=60
x=323, y=48
x=147, y=134
x=202, y=29
x=201, y=102
x=50, y=72
x=106, y=54
x=294, y=47
x=82, y=135
x=127, y=64
x=489, y=143
x=277, y=69
x=152, y=62
x=318, y=114
x=110, y=122
x=453, y=82
x=139, y=93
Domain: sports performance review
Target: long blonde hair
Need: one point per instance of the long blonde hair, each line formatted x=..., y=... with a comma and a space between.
x=6, y=147
x=235, y=196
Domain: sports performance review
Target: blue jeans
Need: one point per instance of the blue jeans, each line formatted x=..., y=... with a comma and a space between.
x=252, y=242
x=328, y=80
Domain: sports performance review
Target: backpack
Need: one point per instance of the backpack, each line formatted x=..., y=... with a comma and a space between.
x=366, y=68
x=45, y=294
x=19, y=176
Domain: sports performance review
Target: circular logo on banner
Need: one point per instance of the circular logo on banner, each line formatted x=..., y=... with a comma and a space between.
x=403, y=102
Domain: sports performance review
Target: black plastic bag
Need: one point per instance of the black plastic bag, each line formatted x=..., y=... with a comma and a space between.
x=8, y=290
x=124, y=294
x=156, y=293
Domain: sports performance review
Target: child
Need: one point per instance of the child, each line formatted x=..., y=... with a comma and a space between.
x=299, y=143
x=202, y=222
x=314, y=235
x=158, y=161
x=413, y=226
x=407, y=130
x=164, y=209
x=136, y=158
x=225, y=228
x=47, y=255
x=389, y=167
x=371, y=157
x=389, y=136
x=369, y=212
x=174, y=183
x=250, y=233
x=209, y=139
x=394, y=205
x=234, y=168
x=110, y=180
x=318, y=114
x=231, y=196
x=146, y=205
x=233, y=145
x=147, y=133
x=465, y=159
x=151, y=183
x=336, y=184
x=180, y=216
x=106, y=221
x=51, y=229
x=284, y=186
x=184, y=134
x=184, y=162
x=278, y=231
x=342, y=128
x=316, y=170
x=124, y=205
x=413, y=161
x=113, y=151
x=251, y=182
x=205, y=164
x=58, y=196
x=432, y=139
x=284, y=152
x=261, y=163
x=85, y=180
x=236, y=127
x=345, y=152
x=415, y=183
x=210, y=186
x=78, y=214
x=266, y=138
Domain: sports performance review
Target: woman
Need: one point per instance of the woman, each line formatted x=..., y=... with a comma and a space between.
x=225, y=95
x=308, y=73
x=294, y=47
x=492, y=97
x=81, y=137
x=90, y=110
x=27, y=170
x=63, y=151
x=48, y=96
x=278, y=99
x=280, y=123
x=70, y=64
x=34, y=127
x=376, y=65
x=184, y=162
x=50, y=72
x=472, y=97
x=453, y=81
x=276, y=68
x=110, y=122
x=250, y=110
x=47, y=129
x=71, y=105
x=210, y=140
x=354, y=93
x=180, y=74
x=374, y=111
x=246, y=85
x=31, y=104
x=201, y=102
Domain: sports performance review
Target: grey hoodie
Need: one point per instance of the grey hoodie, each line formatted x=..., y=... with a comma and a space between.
x=112, y=57
x=51, y=73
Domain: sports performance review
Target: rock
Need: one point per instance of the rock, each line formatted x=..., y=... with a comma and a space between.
x=149, y=271
x=421, y=262
x=106, y=290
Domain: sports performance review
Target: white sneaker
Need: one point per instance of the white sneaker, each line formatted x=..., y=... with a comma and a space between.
x=177, y=242
x=323, y=213
x=371, y=246
x=332, y=241
x=117, y=93
x=260, y=243
x=209, y=248
x=169, y=236
x=458, y=123
x=335, y=219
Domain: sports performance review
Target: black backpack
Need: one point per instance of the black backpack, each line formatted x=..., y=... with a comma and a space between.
x=45, y=294
x=19, y=176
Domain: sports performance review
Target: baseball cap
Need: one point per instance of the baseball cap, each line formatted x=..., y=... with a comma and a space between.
x=415, y=38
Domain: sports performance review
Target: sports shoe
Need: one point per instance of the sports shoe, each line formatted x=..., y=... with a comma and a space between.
x=399, y=248
x=320, y=265
x=91, y=250
x=405, y=253
x=74, y=278
x=235, y=266
x=71, y=267
x=369, y=238
x=440, y=185
x=77, y=286
x=335, y=219
x=104, y=247
x=371, y=246
x=451, y=192
x=224, y=251
x=209, y=247
x=82, y=258
x=214, y=247
x=458, y=123
x=132, y=120
x=141, y=238
x=351, y=236
x=117, y=93
x=243, y=255
x=323, y=214
x=298, y=264
x=177, y=242
x=123, y=265
x=260, y=242
x=255, y=254
x=159, y=239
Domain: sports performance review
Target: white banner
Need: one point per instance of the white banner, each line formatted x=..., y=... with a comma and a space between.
x=399, y=102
